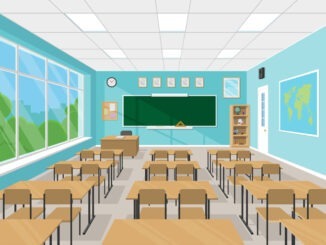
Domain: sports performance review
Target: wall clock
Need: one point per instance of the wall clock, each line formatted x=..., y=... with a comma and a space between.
x=111, y=82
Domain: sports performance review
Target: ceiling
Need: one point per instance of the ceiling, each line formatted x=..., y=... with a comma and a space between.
x=133, y=27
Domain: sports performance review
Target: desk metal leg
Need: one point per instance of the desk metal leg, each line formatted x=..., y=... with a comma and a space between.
x=91, y=209
x=196, y=174
x=109, y=182
x=209, y=209
x=58, y=235
x=146, y=174
x=207, y=161
x=222, y=185
x=245, y=221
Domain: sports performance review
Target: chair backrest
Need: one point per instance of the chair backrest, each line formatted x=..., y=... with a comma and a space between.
x=87, y=154
x=271, y=168
x=223, y=155
x=57, y=196
x=107, y=154
x=61, y=168
x=181, y=155
x=280, y=196
x=126, y=132
x=161, y=155
x=90, y=169
x=243, y=168
x=316, y=196
x=17, y=196
x=244, y=155
x=152, y=196
x=158, y=168
x=192, y=196
x=186, y=168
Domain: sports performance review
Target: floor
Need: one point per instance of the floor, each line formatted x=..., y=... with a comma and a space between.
x=115, y=206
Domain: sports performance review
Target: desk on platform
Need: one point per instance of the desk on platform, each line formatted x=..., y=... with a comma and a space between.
x=128, y=143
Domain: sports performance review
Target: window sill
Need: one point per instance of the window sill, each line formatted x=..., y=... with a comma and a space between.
x=16, y=164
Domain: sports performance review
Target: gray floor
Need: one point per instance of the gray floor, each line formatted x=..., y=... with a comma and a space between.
x=117, y=207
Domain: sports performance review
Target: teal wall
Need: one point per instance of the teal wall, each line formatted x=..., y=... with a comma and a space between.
x=128, y=85
x=304, y=56
x=13, y=32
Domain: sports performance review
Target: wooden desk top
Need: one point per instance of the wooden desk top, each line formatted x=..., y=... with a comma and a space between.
x=307, y=231
x=26, y=232
x=170, y=151
x=172, y=188
x=233, y=151
x=37, y=187
x=161, y=232
x=231, y=164
x=97, y=151
x=77, y=164
x=171, y=164
x=259, y=188
x=120, y=137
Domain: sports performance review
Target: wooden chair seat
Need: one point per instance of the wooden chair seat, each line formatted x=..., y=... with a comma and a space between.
x=265, y=178
x=274, y=214
x=192, y=213
x=68, y=178
x=95, y=178
x=158, y=178
x=152, y=213
x=64, y=214
x=314, y=213
x=24, y=213
x=238, y=179
x=184, y=178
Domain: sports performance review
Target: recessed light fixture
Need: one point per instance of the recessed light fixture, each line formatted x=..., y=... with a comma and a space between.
x=87, y=22
x=172, y=22
x=171, y=53
x=258, y=22
x=228, y=53
x=115, y=53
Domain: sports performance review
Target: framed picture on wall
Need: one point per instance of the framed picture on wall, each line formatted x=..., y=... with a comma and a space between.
x=170, y=82
x=142, y=82
x=199, y=82
x=156, y=82
x=185, y=82
x=231, y=87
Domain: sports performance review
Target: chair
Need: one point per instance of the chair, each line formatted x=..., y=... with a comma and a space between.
x=126, y=132
x=314, y=196
x=181, y=155
x=268, y=169
x=95, y=171
x=275, y=214
x=241, y=172
x=192, y=197
x=243, y=155
x=86, y=155
x=159, y=172
x=160, y=155
x=65, y=214
x=20, y=197
x=184, y=172
x=64, y=169
x=109, y=155
x=152, y=197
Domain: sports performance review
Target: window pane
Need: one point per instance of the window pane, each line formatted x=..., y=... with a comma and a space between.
x=7, y=116
x=8, y=56
x=57, y=114
x=73, y=114
x=31, y=115
x=73, y=80
x=80, y=113
x=57, y=73
x=31, y=64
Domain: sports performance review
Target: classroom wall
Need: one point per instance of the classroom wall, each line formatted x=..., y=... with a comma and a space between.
x=304, y=56
x=128, y=85
x=13, y=32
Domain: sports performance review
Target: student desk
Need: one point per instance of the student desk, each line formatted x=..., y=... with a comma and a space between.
x=102, y=165
x=259, y=190
x=27, y=232
x=172, y=189
x=78, y=189
x=310, y=231
x=217, y=231
x=171, y=152
x=128, y=143
x=170, y=165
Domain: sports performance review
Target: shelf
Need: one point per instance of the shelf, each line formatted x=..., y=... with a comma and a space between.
x=239, y=116
x=240, y=125
x=240, y=135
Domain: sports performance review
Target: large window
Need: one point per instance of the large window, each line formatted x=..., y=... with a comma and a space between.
x=41, y=102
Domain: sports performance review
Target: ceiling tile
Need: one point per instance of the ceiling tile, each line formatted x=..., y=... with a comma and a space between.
x=257, y=53
x=222, y=6
x=276, y=40
x=30, y=6
x=243, y=64
x=103, y=40
x=130, y=22
x=215, y=22
x=240, y=40
x=206, y=40
x=201, y=64
x=72, y=6
x=172, y=40
x=148, y=64
x=123, y=6
x=268, y=6
x=143, y=54
x=68, y=40
x=308, y=6
x=298, y=23
x=199, y=54
x=44, y=22
x=218, y=64
x=101, y=64
x=138, y=40
x=172, y=6
x=124, y=63
x=172, y=65
x=86, y=53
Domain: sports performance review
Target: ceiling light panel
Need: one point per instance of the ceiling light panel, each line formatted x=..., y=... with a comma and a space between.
x=222, y=6
x=138, y=40
x=115, y=53
x=87, y=22
x=199, y=54
x=206, y=40
x=228, y=53
x=30, y=6
x=72, y=6
x=172, y=6
x=130, y=22
x=258, y=22
x=144, y=54
x=172, y=22
x=123, y=6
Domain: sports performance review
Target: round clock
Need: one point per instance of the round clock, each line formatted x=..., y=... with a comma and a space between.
x=111, y=81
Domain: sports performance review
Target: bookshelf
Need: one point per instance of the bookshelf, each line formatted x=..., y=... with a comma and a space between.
x=239, y=125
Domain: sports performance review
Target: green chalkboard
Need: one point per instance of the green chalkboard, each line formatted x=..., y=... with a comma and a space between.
x=168, y=111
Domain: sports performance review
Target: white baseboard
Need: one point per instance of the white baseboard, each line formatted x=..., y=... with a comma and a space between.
x=292, y=164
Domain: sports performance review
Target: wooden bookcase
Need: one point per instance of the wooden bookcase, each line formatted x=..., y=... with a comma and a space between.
x=239, y=125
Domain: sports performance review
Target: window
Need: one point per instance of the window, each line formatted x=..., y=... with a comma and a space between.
x=43, y=100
